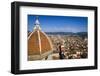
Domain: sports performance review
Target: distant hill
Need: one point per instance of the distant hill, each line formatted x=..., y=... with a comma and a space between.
x=81, y=34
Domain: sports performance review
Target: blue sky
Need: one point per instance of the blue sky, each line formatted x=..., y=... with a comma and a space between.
x=59, y=23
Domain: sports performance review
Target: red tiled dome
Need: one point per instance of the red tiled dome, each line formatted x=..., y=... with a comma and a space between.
x=39, y=45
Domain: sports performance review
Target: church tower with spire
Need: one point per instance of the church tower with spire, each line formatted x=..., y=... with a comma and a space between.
x=39, y=44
